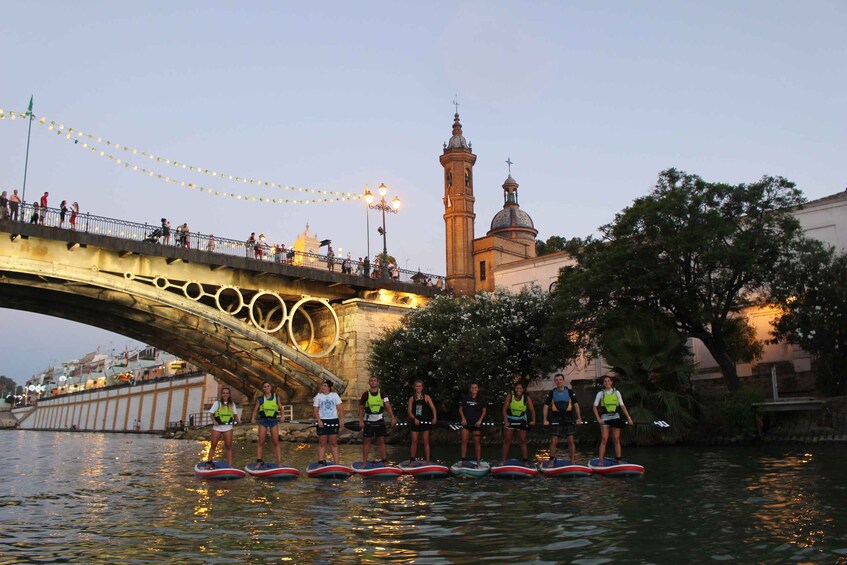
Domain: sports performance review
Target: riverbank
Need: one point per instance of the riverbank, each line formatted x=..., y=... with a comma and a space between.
x=297, y=433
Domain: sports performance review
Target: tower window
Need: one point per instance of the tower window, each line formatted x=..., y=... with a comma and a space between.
x=482, y=270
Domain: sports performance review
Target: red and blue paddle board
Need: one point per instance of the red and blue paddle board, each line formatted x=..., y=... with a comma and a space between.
x=272, y=471
x=615, y=468
x=376, y=470
x=220, y=471
x=564, y=468
x=424, y=470
x=513, y=469
x=328, y=471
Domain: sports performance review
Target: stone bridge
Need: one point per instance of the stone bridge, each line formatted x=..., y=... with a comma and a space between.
x=242, y=319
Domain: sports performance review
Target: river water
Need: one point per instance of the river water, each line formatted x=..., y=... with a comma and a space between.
x=106, y=498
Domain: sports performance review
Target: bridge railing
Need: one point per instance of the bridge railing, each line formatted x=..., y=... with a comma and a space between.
x=260, y=249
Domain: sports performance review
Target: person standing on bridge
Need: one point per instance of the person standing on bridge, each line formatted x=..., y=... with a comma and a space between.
x=166, y=231
x=44, y=207
x=63, y=211
x=269, y=412
x=330, y=258
x=14, y=205
x=4, y=202
x=74, y=212
x=225, y=415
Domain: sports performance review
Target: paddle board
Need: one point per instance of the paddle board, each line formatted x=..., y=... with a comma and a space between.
x=328, y=471
x=376, y=470
x=614, y=468
x=470, y=469
x=272, y=471
x=221, y=471
x=564, y=468
x=513, y=469
x=424, y=470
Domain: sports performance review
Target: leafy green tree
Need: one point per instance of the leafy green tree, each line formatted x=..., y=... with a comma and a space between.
x=454, y=341
x=7, y=385
x=813, y=296
x=691, y=251
x=655, y=366
x=553, y=244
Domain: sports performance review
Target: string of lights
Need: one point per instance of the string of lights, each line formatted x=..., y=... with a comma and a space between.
x=86, y=141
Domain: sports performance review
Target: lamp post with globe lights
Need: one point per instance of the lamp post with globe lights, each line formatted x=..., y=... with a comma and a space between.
x=384, y=207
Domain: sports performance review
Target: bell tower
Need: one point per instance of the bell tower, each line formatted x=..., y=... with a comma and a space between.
x=458, y=162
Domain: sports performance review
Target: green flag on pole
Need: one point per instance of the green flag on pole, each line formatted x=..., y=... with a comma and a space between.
x=29, y=108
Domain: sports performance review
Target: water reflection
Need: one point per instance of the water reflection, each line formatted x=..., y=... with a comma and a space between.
x=97, y=498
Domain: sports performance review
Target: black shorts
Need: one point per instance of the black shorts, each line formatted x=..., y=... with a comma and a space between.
x=374, y=429
x=330, y=428
x=421, y=427
x=563, y=429
x=518, y=425
x=473, y=429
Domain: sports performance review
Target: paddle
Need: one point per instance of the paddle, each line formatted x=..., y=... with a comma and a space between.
x=654, y=423
x=311, y=424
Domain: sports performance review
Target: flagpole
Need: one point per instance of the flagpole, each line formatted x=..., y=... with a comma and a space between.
x=26, y=161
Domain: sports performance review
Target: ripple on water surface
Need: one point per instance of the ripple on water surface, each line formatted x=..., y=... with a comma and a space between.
x=96, y=498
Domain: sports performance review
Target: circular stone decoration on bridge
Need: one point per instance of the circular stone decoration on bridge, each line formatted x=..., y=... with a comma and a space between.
x=224, y=295
x=264, y=317
x=322, y=302
x=193, y=290
x=161, y=283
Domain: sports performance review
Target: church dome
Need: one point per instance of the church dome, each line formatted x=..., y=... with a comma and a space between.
x=511, y=222
x=511, y=217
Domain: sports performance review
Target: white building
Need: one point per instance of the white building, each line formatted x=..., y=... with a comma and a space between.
x=824, y=219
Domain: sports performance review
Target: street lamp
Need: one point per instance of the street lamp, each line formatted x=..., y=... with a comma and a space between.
x=384, y=207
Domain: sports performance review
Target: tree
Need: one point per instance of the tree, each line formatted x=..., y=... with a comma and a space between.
x=692, y=251
x=7, y=385
x=454, y=341
x=655, y=366
x=553, y=244
x=813, y=297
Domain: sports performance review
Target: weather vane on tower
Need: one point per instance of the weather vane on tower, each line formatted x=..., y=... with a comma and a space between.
x=456, y=102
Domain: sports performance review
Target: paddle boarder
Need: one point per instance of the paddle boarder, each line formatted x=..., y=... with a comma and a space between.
x=372, y=406
x=269, y=412
x=560, y=406
x=515, y=408
x=329, y=413
x=422, y=416
x=608, y=406
x=472, y=409
x=225, y=414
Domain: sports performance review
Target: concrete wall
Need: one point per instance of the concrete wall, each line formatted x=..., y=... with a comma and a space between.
x=115, y=409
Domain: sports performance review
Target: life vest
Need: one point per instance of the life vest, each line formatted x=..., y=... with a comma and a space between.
x=374, y=404
x=268, y=407
x=608, y=402
x=225, y=413
x=517, y=409
x=561, y=400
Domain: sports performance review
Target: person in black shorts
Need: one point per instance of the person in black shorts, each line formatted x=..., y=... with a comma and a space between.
x=329, y=413
x=422, y=417
x=560, y=406
x=372, y=406
x=518, y=415
x=472, y=409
